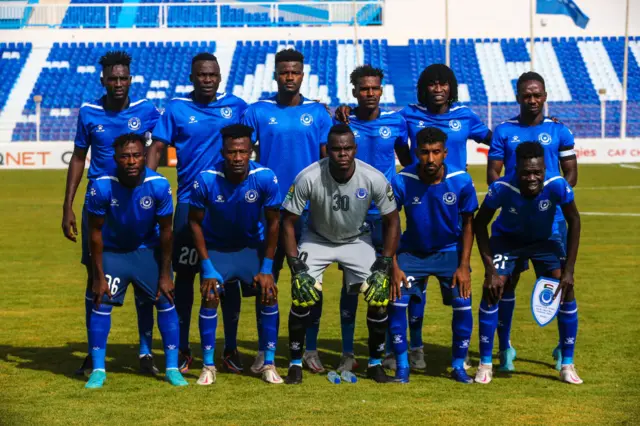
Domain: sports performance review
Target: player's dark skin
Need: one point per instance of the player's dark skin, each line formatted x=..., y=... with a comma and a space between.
x=236, y=154
x=130, y=162
x=205, y=78
x=531, y=174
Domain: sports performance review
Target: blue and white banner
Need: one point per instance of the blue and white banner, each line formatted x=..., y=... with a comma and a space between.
x=563, y=7
x=543, y=306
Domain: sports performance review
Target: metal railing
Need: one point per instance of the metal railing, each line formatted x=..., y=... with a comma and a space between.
x=14, y=15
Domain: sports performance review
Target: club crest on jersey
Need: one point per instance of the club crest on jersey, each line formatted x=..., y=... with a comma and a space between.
x=361, y=193
x=192, y=119
x=134, y=123
x=449, y=198
x=226, y=112
x=544, y=205
x=251, y=196
x=544, y=138
x=146, y=202
x=306, y=119
x=385, y=132
x=455, y=125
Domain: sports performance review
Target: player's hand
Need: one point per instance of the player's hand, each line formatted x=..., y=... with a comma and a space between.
x=377, y=287
x=209, y=289
x=566, y=285
x=304, y=288
x=268, y=288
x=462, y=279
x=494, y=284
x=342, y=113
x=398, y=280
x=99, y=288
x=166, y=288
x=69, y=226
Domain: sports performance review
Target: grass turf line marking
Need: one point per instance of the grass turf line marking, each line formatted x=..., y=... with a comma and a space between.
x=630, y=166
x=609, y=214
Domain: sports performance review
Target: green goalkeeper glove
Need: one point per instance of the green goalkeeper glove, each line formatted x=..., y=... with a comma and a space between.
x=304, y=288
x=376, y=288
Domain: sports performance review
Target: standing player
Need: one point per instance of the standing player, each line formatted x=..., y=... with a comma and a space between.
x=231, y=242
x=339, y=191
x=524, y=231
x=99, y=123
x=436, y=198
x=380, y=136
x=291, y=133
x=130, y=237
x=557, y=141
x=192, y=125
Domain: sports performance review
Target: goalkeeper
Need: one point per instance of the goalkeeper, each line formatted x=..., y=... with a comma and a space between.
x=339, y=191
x=439, y=203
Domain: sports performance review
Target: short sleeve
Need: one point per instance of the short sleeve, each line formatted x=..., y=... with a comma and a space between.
x=97, y=201
x=269, y=184
x=468, y=198
x=565, y=192
x=403, y=135
x=477, y=129
x=165, y=126
x=566, y=139
x=492, y=200
x=199, y=193
x=250, y=118
x=240, y=107
x=325, y=122
x=153, y=116
x=496, y=150
x=399, y=190
x=164, y=199
x=298, y=195
x=82, y=135
x=383, y=195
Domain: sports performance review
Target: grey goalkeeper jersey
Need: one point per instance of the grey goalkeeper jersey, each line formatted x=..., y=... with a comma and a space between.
x=337, y=211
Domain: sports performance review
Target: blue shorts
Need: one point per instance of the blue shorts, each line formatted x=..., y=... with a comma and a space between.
x=418, y=268
x=185, y=256
x=509, y=255
x=140, y=267
x=84, y=236
x=241, y=265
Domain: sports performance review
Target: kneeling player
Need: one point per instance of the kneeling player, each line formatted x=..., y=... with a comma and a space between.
x=434, y=197
x=339, y=190
x=130, y=236
x=522, y=232
x=226, y=205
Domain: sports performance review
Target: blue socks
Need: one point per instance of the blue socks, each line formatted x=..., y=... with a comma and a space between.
x=416, y=319
x=398, y=330
x=208, y=324
x=313, y=329
x=268, y=330
x=505, y=315
x=184, y=302
x=488, y=318
x=348, y=308
x=170, y=332
x=100, y=325
x=144, y=310
x=568, y=329
x=461, y=327
x=231, y=314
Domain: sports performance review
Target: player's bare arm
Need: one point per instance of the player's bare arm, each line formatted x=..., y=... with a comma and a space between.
x=404, y=155
x=493, y=283
x=208, y=286
x=569, y=166
x=289, y=233
x=462, y=276
x=572, y=216
x=165, y=282
x=494, y=169
x=74, y=175
x=269, y=291
x=391, y=227
x=487, y=139
x=154, y=153
x=99, y=285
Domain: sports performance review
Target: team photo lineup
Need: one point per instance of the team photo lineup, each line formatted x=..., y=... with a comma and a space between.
x=286, y=181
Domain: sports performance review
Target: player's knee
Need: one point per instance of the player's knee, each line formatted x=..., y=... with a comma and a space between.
x=569, y=295
x=210, y=304
x=377, y=319
x=298, y=318
x=556, y=273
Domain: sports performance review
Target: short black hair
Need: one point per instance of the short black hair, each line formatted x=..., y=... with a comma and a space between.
x=530, y=76
x=340, y=129
x=203, y=56
x=442, y=74
x=430, y=135
x=115, y=57
x=528, y=150
x=236, y=131
x=289, y=55
x=365, y=71
x=127, y=138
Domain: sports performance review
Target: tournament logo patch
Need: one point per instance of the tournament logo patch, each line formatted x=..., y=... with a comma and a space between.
x=449, y=198
x=385, y=132
x=226, y=112
x=290, y=193
x=134, y=123
x=455, y=125
x=251, y=196
x=361, y=193
x=544, y=205
x=146, y=202
x=306, y=119
x=390, y=195
x=545, y=138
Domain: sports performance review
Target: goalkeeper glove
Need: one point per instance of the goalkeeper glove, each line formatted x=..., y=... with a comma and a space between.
x=376, y=288
x=304, y=288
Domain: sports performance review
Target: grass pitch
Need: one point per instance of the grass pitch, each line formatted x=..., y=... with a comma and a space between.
x=43, y=338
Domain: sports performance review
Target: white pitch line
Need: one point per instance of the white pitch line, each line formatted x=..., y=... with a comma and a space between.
x=609, y=214
x=630, y=166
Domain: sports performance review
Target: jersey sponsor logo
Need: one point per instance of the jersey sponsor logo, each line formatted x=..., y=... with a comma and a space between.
x=416, y=200
x=226, y=112
x=146, y=202
x=306, y=119
x=420, y=123
x=272, y=120
x=251, y=196
x=449, y=198
x=192, y=119
x=100, y=128
x=385, y=132
x=544, y=205
x=356, y=134
x=219, y=199
x=134, y=123
x=455, y=125
x=361, y=193
x=114, y=202
x=390, y=192
x=545, y=138
x=513, y=210
x=515, y=139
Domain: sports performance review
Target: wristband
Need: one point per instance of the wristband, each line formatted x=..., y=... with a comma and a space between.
x=267, y=266
x=208, y=271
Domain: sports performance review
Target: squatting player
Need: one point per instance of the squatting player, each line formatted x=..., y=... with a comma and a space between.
x=339, y=191
x=557, y=141
x=192, y=125
x=226, y=205
x=291, y=133
x=435, y=198
x=524, y=231
x=99, y=123
x=130, y=236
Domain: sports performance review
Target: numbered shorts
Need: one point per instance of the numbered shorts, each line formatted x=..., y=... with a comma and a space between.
x=139, y=267
x=355, y=257
x=509, y=255
x=419, y=267
x=185, y=256
x=238, y=266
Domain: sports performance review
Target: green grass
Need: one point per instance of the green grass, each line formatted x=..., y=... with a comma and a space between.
x=42, y=337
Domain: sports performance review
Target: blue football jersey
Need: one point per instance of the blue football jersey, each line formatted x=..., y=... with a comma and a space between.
x=290, y=137
x=194, y=130
x=99, y=128
x=233, y=212
x=526, y=219
x=131, y=215
x=460, y=124
x=556, y=139
x=433, y=211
